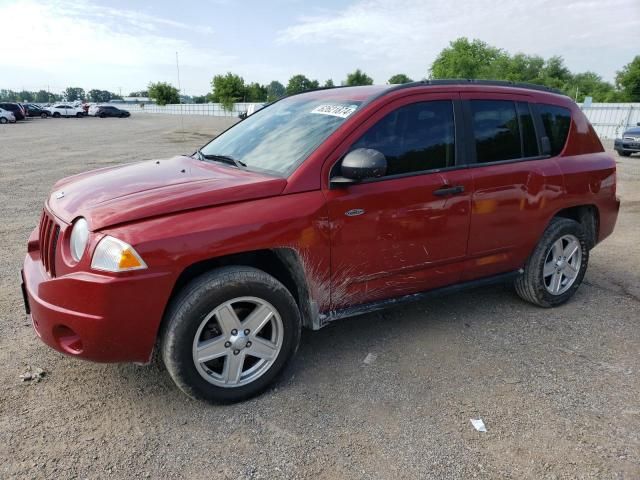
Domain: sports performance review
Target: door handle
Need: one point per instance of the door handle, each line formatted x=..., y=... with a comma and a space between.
x=447, y=190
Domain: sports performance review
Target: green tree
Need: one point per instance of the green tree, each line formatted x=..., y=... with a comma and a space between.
x=42, y=96
x=256, y=93
x=300, y=83
x=141, y=93
x=399, y=78
x=275, y=90
x=465, y=59
x=228, y=89
x=100, y=96
x=25, y=96
x=72, y=94
x=358, y=78
x=163, y=93
x=199, y=99
x=329, y=84
x=628, y=80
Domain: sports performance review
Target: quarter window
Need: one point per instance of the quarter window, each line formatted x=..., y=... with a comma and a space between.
x=556, y=121
x=414, y=138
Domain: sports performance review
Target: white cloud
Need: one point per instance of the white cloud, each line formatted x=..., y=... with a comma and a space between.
x=61, y=43
x=406, y=35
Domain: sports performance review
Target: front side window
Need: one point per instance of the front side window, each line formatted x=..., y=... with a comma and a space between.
x=414, y=138
x=556, y=121
x=279, y=137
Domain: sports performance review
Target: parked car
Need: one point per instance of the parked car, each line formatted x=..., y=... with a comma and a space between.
x=108, y=111
x=320, y=206
x=33, y=110
x=6, y=116
x=63, y=110
x=629, y=143
x=14, y=108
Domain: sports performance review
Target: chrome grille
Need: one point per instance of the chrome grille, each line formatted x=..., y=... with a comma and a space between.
x=48, y=239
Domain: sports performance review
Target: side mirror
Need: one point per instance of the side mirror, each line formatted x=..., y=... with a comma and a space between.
x=361, y=164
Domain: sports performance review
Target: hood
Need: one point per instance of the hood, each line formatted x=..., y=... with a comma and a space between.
x=632, y=131
x=135, y=191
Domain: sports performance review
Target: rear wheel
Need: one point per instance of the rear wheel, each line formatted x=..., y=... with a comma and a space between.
x=102, y=115
x=229, y=333
x=624, y=153
x=557, y=266
x=3, y=120
x=79, y=114
x=43, y=115
x=56, y=115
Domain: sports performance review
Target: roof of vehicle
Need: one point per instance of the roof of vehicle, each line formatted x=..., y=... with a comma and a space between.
x=370, y=92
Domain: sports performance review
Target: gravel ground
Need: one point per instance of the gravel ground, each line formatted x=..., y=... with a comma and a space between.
x=557, y=389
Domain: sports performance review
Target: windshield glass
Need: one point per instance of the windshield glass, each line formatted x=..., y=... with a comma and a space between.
x=279, y=137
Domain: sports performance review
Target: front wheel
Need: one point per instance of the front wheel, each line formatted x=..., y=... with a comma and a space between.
x=43, y=115
x=229, y=333
x=557, y=265
x=56, y=115
x=624, y=153
x=79, y=114
x=3, y=120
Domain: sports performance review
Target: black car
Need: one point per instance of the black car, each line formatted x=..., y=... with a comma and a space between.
x=36, y=111
x=629, y=143
x=108, y=111
x=15, y=109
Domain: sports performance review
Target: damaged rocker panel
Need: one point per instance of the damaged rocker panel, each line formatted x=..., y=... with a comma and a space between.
x=331, y=316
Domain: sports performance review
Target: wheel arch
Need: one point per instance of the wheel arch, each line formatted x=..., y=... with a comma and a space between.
x=588, y=216
x=284, y=264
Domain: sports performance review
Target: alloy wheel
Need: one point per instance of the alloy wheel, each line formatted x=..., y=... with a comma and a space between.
x=238, y=342
x=562, y=264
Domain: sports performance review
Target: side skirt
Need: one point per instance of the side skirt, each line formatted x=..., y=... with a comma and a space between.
x=331, y=316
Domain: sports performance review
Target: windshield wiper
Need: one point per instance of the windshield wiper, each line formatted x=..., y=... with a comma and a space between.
x=221, y=158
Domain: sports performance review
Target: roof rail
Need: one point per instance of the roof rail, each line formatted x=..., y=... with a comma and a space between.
x=472, y=81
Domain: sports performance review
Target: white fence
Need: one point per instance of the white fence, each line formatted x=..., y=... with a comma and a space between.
x=210, y=109
x=608, y=119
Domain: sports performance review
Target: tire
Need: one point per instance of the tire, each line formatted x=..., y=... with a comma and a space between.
x=536, y=287
x=102, y=115
x=624, y=153
x=200, y=313
x=43, y=115
x=79, y=115
x=56, y=114
x=3, y=120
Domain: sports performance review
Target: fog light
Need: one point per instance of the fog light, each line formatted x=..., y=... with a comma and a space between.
x=68, y=340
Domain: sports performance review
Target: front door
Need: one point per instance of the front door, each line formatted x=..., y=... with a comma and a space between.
x=407, y=231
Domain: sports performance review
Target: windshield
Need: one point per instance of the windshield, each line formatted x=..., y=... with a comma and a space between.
x=281, y=136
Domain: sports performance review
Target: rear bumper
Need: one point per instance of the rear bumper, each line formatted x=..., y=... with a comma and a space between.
x=96, y=317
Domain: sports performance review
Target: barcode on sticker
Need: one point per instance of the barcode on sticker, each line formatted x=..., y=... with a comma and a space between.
x=342, y=111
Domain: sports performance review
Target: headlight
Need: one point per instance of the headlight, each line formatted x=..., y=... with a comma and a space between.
x=113, y=255
x=79, y=238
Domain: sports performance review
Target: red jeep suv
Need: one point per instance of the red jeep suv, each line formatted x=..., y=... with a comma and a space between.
x=321, y=205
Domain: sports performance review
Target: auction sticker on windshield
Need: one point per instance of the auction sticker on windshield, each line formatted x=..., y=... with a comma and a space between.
x=342, y=111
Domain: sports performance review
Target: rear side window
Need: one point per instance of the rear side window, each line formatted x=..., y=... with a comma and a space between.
x=496, y=130
x=414, y=138
x=556, y=121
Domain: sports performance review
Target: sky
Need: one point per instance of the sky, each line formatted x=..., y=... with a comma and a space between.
x=122, y=45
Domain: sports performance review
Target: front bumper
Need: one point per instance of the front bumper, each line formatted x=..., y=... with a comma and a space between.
x=95, y=316
x=626, y=145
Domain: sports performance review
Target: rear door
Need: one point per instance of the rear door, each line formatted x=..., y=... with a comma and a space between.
x=407, y=231
x=514, y=184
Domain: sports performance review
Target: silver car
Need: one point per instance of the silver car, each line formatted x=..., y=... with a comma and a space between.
x=6, y=116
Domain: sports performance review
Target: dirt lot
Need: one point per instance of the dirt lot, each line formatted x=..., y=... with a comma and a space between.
x=557, y=389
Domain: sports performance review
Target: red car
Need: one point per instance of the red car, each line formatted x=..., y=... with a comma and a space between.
x=320, y=206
